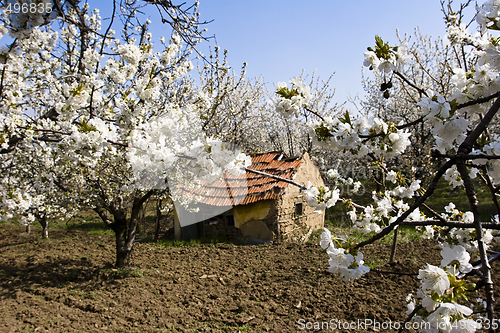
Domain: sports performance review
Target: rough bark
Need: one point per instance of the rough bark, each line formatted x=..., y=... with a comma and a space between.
x=122, y=249
x=45, y=226
x=103, y=216
x=125, y=229
x=120, y=227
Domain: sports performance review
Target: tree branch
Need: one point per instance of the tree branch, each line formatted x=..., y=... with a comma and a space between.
x=486, y=268
x=418, y=202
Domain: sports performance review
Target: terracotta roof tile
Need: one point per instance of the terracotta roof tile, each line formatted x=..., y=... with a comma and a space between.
x=251, y=187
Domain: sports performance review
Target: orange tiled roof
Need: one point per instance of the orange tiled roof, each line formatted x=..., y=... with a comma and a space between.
x=249, y=188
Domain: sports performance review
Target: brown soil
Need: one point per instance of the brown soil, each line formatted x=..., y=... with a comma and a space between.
x=66, y=284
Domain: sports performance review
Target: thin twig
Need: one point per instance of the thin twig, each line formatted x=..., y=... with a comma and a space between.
x=388, y=272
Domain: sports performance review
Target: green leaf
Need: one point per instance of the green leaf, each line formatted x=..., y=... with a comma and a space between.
x=77, y=90
x=346, y=119
x=322, y=133
x=287, y=93
x=86, y=128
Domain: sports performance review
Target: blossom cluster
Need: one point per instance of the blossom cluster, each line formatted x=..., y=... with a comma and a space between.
x=449, y=130
x=487, y=16
x=291, y=100
x=115, y=116
x=439, y=294
x=334, y=175
x=384, y=58
x=388, y=206
x=360, y=136
x=322, y=197
x=448, y=119
x=464, y=237
x=450, y=107
x=344, y=259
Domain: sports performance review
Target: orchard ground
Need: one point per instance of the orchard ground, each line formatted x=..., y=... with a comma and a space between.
x=67, y=284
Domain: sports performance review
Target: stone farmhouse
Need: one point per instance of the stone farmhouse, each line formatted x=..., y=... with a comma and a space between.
x=253, y=207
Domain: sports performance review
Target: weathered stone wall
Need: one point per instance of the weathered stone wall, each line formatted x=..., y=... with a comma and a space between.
x=290, y=224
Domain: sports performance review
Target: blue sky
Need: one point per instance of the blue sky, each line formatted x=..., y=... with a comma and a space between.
x=280, y=38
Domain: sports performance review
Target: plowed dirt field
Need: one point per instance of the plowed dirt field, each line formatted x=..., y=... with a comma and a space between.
x=67, y=284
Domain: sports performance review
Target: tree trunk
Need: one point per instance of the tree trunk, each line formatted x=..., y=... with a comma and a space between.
x=125, y=229
x=120, y=227
x=122, y=252
x=28, y=228
x=158, y=218
x=45, y=226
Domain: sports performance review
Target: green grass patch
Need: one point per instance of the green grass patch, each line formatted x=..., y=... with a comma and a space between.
x=444, y=194
x=83, y=294
x=406, y=234
x=373, y=265
x=175, y=243
x=245, y=328
x=87, y=221
x=336, y=217
x=198, y=241
x=102, y=232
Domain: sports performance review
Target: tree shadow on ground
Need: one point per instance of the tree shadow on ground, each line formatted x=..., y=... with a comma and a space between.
x=54, y=273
